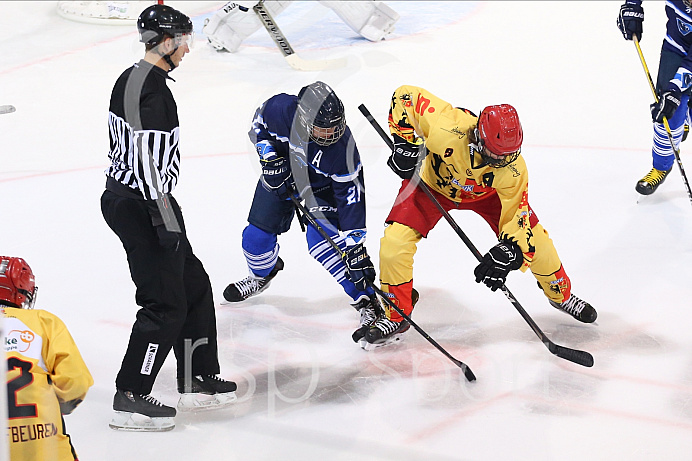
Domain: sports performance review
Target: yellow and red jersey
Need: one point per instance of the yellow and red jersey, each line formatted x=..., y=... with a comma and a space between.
x=45, y=370
x=454, y=167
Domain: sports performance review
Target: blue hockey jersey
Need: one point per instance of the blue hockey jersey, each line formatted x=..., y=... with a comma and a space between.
x=679, y=30
x=336, y=167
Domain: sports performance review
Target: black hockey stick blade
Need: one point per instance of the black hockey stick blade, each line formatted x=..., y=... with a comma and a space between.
x=464, y=368
x=467, y=372
x=582, y=358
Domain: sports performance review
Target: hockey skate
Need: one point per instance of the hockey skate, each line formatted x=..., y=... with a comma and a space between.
x=136, y=412
x=206, y=392
x=385, y=331
x=250, y=285
x=649, y=183
x=577, y=308
x=369, y=311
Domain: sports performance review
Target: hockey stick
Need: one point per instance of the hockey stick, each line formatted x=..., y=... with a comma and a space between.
x=665, y=120
x=292, y=58
x=7, y=109
x=579, y=357
x=311, y=219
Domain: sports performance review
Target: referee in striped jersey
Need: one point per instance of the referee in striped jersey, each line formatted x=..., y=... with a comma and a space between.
x=173, y=289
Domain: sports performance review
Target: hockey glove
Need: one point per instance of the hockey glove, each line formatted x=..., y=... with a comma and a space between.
x=631, y=20
x=276, y=176
x=503, y=258
x=359, y=268
x=167, y=239
x=404, y=157
x=666, y=106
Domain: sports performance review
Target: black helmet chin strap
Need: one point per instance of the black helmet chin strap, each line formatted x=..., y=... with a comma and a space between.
x=169, y=61
x=167, y=57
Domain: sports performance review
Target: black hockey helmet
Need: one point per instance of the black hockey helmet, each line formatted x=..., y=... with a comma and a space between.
x=158, y=21
x=321, y=112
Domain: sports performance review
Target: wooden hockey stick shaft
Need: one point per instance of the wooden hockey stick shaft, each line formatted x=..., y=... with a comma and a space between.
x=579, y=357
x=311, y=219
x=676, y=151
x=289, y=54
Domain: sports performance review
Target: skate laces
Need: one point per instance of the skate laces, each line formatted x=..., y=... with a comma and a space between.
x=574, y=305
x=152, y=400
x=386, y=326
x=367, y=314
x=655, y=176
x=247, y=286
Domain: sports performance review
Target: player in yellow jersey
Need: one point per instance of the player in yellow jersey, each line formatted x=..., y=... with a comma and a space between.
x=46, y=376
x=472, y=163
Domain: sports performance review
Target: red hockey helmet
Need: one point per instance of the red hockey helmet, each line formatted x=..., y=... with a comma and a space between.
x=500, y=134
x=17, y=285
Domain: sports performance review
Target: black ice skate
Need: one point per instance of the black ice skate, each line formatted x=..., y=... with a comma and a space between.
x=369, y=311
x=649, y=183
x=251, y=285
x=136, y=412
x=205, y=392
x=580, y=310
x=384, y=331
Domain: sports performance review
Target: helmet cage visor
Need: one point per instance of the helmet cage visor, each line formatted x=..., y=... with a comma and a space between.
x=498, y=160
x=324, y=135
x=29, y=300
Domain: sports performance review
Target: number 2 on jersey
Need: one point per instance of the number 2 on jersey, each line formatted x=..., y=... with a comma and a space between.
x=25, y=378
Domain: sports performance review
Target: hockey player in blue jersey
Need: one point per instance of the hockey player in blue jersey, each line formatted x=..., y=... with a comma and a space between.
x=306, y=150
x=673, y=84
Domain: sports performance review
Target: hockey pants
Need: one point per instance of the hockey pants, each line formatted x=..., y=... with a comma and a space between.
x=174, y=293
x=270, y=216
x=398, y=247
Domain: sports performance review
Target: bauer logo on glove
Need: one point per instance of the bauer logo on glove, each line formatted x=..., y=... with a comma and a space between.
x=498, y=263
x=405, y=156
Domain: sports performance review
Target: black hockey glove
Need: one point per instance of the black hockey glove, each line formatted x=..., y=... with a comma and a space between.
x=666, y=106
x=167, y=239
x=631, y=20
x=497, y=263
x=359, y=268
x=276, y=177
x=404, y=157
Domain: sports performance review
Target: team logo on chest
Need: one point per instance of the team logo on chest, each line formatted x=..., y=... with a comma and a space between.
x=684, y=27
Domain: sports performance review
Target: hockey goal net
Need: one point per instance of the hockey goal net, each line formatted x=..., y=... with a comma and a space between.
x=112, y=13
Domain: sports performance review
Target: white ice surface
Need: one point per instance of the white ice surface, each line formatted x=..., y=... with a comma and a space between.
x=305, y=390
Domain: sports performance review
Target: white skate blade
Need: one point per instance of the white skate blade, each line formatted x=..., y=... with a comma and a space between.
x=126, y=421
x=372, y=346
x=205, y=402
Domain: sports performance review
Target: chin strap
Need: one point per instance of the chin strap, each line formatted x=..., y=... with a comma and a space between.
x=169, y=61
x=475, y=147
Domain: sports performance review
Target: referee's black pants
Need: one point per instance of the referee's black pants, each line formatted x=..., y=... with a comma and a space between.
x=173, y=291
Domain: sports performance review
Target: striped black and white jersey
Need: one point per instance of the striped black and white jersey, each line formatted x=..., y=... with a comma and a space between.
x=144, y=132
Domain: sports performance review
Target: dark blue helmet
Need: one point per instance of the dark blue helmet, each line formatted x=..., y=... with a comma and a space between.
x=321, y=112
x=158, y=21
